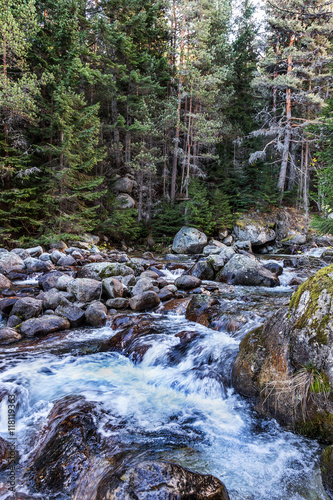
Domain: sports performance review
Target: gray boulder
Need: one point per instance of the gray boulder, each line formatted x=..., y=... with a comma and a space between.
x=165, y=294
x=248, y=271
x=118, y=303
x=129, y=280
x=274, y=267
x=56, y=255
x=74, y=314
x=35, y=251
x=113, y=288
x=49, y=280
x=294, y=238
x=144, y=301
x=96, y=314
x=187, y=282
x=67, y=260
x=101, y=270
x=189, y=240
x=45, y=256
x=44, y=325
x=27, y=308
x=142, y=285
x=4, y=282
x=253, y=231
x=211, y=249
x=63, y=281
x=125, y=200
x=124, y=185
x=13, y=321
x=21, y=252
x=202, y=270
x=85, y=289
x=9, y=335
x=37, y=266
x=52, y=298
x=10, y=262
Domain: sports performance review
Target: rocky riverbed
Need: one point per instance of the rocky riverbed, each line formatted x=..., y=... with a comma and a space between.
x=120, y=369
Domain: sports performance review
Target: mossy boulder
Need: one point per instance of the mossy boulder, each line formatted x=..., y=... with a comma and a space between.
x=326, y=468
x=102, y=270
x=253, y=231
x=287, y=364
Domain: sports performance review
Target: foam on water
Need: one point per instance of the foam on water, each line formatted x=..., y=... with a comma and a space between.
x=180, y=406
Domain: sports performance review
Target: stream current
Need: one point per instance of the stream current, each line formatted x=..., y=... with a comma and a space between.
x=177, y=404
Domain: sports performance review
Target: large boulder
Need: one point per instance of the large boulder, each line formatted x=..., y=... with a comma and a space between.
x=70, y=437
x=27, y=308
x=85, y=289
x=189, y=240
x=160, y=480
x=144, y=301
x=10, y=262
x=44, y=325
x=102, y=270
x=124, y=185
x=288, y=363
x=125, y=200
x=253, y=231
x=247, y=270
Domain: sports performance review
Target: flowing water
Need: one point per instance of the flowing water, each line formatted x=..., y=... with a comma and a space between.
x=177, y=404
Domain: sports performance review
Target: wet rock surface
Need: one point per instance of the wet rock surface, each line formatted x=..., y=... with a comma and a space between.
x=161, y=480
x=248, y=271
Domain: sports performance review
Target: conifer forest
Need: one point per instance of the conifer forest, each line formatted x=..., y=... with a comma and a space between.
x=131, y=119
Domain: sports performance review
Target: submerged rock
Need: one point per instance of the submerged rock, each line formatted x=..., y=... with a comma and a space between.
x=246, y=270
x=160, y=480
x=287, y=364
x=189, y=240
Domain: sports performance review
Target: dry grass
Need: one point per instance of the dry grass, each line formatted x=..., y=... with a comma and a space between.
x=297, y=390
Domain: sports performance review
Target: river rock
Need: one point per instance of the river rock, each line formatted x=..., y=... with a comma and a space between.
x=253, y=231
x=102, y=270
x=74, y=314
x=124, y=185
x=189, y=240
x=27, y=308
x=128, y=280
x=118, y=303
x=35, y=251
x=202, y=270
x=288, y=364
x=187, y=282
x=44, y=325
x=10, y=262
x=49, y=280
x=274, y=268
x=96, y=314
x=144, y=301
x=160, y=480
x=294, y=238
x=63, y=281
x=52, y=298
x=59, y=245
x=6, y=305
x=56, y=255
x=151, y=274
x=125, y=200
x=9, y=335
x=85, y=289
x=67, y=260
x=211, y=250
x=70, y=437
x=165, y=294
x=200, y=309
x=45, y=256
x=4, y=282
x=13, y=321
x=113, y=288
x=142, y=285
x=21, y=252
x=37, y=266
x=248, y=271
